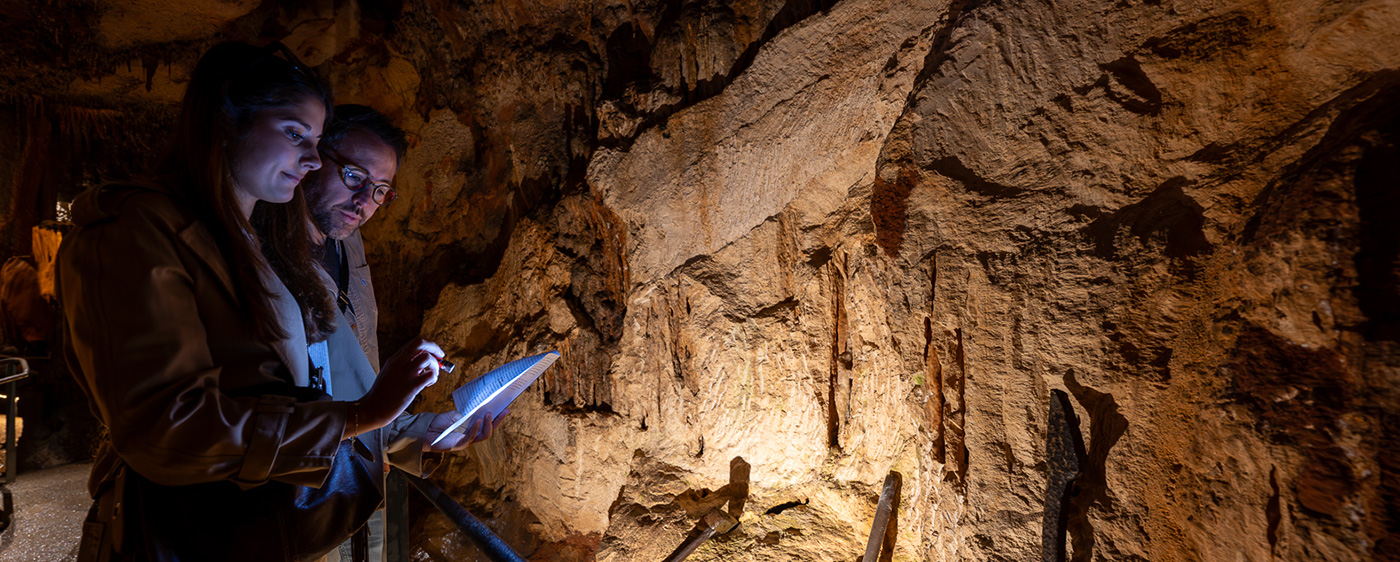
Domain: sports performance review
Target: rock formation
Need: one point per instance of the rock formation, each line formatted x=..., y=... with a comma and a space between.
x=1101, y=280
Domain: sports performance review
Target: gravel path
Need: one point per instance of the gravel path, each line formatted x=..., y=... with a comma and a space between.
x=49, y=509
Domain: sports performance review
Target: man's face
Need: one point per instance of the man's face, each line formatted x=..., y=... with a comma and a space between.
x=336, y=209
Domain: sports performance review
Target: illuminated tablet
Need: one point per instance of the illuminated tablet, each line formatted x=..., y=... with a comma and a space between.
x=490, y=393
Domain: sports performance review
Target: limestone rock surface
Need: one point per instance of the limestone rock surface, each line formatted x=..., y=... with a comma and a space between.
x=1107, y=280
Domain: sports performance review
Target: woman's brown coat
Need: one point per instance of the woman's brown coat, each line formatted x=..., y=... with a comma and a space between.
x=187, y=393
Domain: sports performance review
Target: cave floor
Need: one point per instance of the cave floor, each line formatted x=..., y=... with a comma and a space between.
x=49, y=508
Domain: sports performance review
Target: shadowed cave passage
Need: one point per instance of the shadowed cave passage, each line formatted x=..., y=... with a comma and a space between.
x=1102, y=281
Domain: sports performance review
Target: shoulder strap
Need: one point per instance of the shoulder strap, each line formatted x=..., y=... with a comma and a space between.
x=320, y=365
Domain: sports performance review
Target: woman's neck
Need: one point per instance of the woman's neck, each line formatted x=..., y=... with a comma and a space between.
x=245, y=203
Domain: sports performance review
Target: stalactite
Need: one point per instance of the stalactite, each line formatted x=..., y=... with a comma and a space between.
x=956, y=412
x=837, y=395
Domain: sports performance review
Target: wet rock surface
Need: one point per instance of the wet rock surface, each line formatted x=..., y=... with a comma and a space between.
x=825, y=240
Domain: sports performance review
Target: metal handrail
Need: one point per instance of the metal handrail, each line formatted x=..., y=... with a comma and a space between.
x=486, y=541
x=13, y=376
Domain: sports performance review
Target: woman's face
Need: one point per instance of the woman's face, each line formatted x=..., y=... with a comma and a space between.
x=276, y=153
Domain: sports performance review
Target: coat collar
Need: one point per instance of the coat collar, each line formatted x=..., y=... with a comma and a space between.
x=354, y=246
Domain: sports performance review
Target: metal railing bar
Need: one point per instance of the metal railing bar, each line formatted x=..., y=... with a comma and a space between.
x=486, y=541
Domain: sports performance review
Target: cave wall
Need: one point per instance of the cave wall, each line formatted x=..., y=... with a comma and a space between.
x=1117, y=279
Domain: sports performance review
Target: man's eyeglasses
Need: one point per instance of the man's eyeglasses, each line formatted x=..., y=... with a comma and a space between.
x=357, y=179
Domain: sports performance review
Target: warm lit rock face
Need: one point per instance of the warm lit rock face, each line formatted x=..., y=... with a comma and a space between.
x=900, y=230
x=1112, y=279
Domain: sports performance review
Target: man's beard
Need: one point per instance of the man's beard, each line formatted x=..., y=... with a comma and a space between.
x=332, y=223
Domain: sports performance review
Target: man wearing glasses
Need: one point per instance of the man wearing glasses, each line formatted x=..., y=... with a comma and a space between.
x=360, y=153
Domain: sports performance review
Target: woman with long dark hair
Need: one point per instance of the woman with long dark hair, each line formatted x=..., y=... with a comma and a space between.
x=190, y=302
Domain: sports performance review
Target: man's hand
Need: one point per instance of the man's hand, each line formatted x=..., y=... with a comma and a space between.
x=476, y=431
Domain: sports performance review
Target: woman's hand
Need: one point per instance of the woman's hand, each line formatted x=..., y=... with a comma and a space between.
x=410, y=370
x=476, y=431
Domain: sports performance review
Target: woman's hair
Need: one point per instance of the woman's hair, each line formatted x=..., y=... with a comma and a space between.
x=232, y=83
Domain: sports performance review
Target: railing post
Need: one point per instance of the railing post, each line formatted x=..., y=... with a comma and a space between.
x=11, y=420
x=11, y=447
x=396, y=518
x=882, y=534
